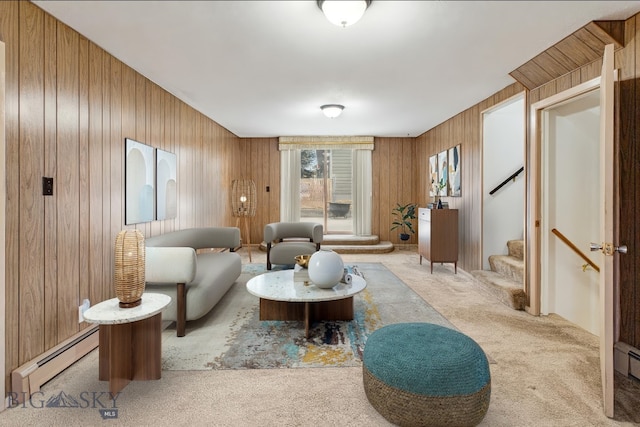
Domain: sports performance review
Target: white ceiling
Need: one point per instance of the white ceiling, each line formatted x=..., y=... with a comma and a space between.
x=263, y=68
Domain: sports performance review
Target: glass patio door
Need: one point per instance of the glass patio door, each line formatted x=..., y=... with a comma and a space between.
x=326, y=189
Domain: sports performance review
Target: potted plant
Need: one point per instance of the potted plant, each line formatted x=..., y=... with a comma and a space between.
x=403, y=217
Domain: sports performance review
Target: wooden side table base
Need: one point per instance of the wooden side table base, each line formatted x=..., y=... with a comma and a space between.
x=130, y=342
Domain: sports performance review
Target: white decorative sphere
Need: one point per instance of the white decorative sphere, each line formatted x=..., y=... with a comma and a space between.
x=325, y=268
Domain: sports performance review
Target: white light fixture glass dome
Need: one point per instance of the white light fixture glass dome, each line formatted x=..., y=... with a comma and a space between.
x=343, y=12
x=332, y=110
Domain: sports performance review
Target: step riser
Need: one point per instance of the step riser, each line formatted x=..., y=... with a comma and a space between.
x=380, y=248
x=512, y=295
x=516, y=248
x=361, y=249
x=515, y=272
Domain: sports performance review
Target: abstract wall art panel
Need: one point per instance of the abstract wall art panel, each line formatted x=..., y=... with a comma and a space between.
x=455, y=165
x=166, y=185
x=443, y=178
x=139, y=182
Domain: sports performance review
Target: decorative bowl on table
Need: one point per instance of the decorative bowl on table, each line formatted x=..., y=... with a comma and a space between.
x=303, y=260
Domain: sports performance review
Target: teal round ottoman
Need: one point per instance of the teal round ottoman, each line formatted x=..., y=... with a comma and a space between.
x=421, y=374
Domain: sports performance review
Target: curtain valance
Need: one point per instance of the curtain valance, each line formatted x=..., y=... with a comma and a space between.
x=325, y=142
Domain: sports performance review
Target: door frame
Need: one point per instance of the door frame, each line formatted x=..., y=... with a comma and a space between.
x=534, y=213
x=3, y=199
x=610, y=206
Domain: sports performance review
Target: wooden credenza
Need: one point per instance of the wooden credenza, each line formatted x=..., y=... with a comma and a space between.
x=438, y=235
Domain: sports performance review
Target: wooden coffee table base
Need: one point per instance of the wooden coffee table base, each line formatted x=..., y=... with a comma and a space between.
x=130, y=351
x=341, y=309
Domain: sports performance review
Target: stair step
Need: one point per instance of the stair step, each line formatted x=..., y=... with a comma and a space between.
x=347, y=239
x=507, y=291
x=344, y=244
x=509, y=266
x=516, y=248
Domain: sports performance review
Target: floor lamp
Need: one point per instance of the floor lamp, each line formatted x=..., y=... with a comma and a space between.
x=243, y=206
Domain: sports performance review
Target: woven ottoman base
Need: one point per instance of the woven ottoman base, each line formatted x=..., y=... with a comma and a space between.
x=420, y=374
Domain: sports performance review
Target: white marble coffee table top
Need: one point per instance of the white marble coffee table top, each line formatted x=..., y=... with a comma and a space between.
x=280, y=286
x=109, y=312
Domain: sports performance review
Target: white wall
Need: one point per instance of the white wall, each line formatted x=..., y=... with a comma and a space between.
x=571, y=149
x=503, y=134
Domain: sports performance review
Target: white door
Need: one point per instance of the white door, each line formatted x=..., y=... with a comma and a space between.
x=606, y=230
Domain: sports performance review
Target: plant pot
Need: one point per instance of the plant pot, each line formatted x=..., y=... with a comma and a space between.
x=339, y=209
x=404, y=237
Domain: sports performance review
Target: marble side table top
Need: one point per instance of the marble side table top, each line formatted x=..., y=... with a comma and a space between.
x=109, y=312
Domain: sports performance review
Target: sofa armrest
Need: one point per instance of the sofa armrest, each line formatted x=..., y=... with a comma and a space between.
x=170, y=264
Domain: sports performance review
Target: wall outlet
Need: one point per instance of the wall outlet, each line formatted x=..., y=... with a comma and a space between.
x=82, y=308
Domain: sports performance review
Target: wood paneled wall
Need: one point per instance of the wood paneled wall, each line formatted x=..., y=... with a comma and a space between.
x=69, y=106
x=394, y=181
x=628, y=62
x=260, y=162
x=464, y=129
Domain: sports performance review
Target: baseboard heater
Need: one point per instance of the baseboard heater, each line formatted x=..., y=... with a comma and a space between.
x=28, y=378
x=627, y=360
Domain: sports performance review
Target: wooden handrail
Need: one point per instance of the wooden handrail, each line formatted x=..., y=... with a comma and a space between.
x=575, y=249
x=503, y=183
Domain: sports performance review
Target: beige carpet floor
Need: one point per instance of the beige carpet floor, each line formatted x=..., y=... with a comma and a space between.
x=546, y=373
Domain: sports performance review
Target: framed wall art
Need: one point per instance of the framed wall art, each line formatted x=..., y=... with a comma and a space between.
x=442, y=173
x=455, y=188
x=433, y=175
x=166, y=185
x=139, y=182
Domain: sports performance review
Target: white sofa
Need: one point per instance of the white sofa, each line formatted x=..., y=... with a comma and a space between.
x=194, y=281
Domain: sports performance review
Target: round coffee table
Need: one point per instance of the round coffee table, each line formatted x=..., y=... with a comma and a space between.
x=289, y=295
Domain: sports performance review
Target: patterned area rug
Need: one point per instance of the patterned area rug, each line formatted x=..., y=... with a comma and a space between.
x=231, y=336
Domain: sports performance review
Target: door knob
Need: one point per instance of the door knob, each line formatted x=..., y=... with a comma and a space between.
x=608, y=248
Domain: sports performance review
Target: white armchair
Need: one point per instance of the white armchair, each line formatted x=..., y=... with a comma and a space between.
x=285, y=240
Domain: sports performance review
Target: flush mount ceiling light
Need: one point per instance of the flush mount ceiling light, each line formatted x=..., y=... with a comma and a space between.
x=332, y=110
x=343, y=12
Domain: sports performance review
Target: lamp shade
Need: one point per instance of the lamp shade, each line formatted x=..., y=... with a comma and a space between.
x=343, y=12
x=332, y=110
x=243, y=197
x=129, y=267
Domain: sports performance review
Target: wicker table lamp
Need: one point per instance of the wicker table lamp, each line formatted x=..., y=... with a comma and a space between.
x=129, y=268
x=243, y=205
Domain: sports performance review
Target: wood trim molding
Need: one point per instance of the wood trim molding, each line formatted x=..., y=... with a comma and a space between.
x=3, y=197
x=579, y=48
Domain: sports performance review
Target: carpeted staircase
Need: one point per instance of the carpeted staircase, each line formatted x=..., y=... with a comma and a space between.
x=506, y=278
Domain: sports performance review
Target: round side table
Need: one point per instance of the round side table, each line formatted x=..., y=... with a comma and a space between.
x=130, y=340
